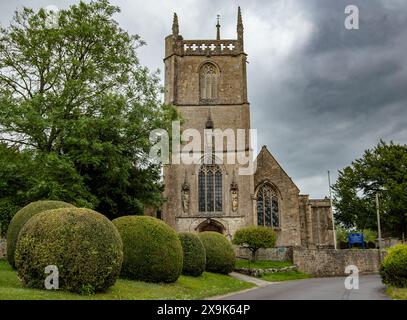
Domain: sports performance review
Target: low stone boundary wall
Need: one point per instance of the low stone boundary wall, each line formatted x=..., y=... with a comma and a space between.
x=273, y=254
x=330, y=262
x=3, y=248
x=260, y=272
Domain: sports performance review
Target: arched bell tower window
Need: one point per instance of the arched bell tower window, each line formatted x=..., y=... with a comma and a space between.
x=267, y=207
x=209, y=76
x=210, y=188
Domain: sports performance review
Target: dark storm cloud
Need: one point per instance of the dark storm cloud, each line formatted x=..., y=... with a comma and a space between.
x=341, y=92
x=320, y=94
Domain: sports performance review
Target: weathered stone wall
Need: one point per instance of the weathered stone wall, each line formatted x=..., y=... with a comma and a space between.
x=269, y=171
x=273, y=254
x=305, y=213
x=322, y=227
x=182, y=220
x=330, y=262
x=229, y=224
x=2, y=247
x=231, y=68
x=228, y=110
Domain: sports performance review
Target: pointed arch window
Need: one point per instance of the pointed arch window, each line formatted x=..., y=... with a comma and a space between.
x=267, y=207
x=210, y=188
x=209, y=76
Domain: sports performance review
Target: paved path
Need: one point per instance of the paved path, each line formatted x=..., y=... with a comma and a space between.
x=257, y=281
x=370, y=288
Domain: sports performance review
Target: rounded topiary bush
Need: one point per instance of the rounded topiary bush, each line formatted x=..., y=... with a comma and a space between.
x=394, y=266
x=220, y=256
x=22, y=216
x=84, y=245
x=152, y=250
x=194, y=254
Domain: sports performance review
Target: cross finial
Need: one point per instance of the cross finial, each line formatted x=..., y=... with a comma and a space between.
x=175, y=27
x=217, y=27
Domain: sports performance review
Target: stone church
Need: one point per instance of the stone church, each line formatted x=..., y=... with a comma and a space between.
x=207, y=82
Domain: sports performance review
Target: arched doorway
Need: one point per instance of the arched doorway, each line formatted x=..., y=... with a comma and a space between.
x=210, y=225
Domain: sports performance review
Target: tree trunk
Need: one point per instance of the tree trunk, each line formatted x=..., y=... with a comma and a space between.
x=253, y=255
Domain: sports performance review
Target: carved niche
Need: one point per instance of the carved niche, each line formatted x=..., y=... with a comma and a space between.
x=234, y=196
x=185, y=195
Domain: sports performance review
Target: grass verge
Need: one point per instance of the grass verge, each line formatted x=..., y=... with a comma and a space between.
x=396, y=293
x=284, y=276
x=262, y=264
x=185, y=288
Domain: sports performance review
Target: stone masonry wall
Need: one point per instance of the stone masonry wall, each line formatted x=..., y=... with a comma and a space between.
x=2, y=247
x=269, y=171
x=330, y=262
x=273, y=254
x=228, y=109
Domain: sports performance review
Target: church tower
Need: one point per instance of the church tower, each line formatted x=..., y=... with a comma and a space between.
x=206, y=81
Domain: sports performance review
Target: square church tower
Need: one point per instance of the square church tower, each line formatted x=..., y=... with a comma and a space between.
x=206, y=81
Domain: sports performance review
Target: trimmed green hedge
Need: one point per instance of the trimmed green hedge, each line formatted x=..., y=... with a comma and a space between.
x=394, y=266
x=194, y=254
x=84, y=245
x=21, y=217
x=152, y=250
x=220, y=256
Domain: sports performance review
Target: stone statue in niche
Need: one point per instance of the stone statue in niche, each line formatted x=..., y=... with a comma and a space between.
x=234, y=190
x=235, y=200
x=185, y=200
x=185, y=195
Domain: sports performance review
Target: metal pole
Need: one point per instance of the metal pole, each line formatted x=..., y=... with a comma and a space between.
x=332, y=210
x=379, y=231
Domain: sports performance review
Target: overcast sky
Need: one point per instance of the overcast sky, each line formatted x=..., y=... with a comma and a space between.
x=320, y=94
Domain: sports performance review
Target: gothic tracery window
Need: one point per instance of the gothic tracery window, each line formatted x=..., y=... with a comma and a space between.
x=209, y=81
x=267, y=207
x=210, y=188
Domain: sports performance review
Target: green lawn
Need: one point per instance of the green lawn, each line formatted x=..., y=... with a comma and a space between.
x=397, y=293
x=207, y=285
x=262, y=264
x=283, y=276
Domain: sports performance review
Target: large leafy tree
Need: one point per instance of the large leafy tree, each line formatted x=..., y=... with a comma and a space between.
x=15, y=168
x=382, y=170
x=75, y=99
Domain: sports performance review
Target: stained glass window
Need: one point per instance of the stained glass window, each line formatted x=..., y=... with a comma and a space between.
x=276, y=221
x=210, y=188
x=267, y=207
x=260, y=216
x=201, y=188
x=218, y=191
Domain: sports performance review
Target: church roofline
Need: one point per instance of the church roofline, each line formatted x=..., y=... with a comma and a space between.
x=264, y=149
x=209, y=47
x=211, y=104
